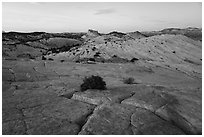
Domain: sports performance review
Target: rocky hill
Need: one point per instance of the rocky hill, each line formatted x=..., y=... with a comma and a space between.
x=173, y=51
x=193, y=33
x=171, y=48
x=136, y=35
x=17, y=45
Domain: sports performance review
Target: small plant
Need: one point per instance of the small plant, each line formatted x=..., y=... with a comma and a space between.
x=43, y=58
x=50, y=59
x=134, y=59
x=93, y=82
x=128, y=80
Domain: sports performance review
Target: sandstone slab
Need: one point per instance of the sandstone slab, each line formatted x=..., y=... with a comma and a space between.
x=186, y=114
x=27, y=99
x=63, y=116
x=7, y=75
x=147, y=97
x=146, y=123
x=9, y=114
x=29, y=76
x=27, y=85
x=98, y=97
x=66, y=109
x=7, y=89
x=15, y=127
x=70, y=110
x=50, y=126
x=109, y=119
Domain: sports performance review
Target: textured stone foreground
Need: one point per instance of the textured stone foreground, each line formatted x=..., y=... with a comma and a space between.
x=44, y=98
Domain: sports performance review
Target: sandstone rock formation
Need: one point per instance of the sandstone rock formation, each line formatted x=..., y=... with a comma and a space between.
x=191, y=32
x=41, y=95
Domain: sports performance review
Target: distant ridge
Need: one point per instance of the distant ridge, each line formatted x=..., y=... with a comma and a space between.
x=117, y=34
x=136, y=35
x=191, y=32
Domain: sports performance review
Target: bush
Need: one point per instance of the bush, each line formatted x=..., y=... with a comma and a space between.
x=50, y=59
x=134, y=59
x=43, y=58
x=128, y=80
x=93, y=82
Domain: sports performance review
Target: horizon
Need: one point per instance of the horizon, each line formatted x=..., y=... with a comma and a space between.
x=96, y=30
x=105, y=17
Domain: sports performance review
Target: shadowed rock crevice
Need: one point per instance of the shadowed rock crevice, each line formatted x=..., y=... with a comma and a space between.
x=84, y=120
x=170, y=114
x=124, y=98
x=173, y=123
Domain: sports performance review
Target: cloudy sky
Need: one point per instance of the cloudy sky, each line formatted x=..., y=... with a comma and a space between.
x=104, y=17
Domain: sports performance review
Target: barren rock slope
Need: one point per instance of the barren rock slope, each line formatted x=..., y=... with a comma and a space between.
x=172, y=51
x=41, y=95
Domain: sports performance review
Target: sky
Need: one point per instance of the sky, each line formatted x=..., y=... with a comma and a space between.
x=104, y=17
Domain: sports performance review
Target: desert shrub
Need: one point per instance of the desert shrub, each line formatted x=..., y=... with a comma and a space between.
x=94, y=48
x=92, y=59
x=93, y=82
x=134, y=59
x=43, y=58
x=97, y=54
x=114, y=56
x=50, y=59
x=129, y=80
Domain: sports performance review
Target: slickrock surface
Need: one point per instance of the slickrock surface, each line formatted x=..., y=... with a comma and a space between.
x=43, y=97
x=146, y=122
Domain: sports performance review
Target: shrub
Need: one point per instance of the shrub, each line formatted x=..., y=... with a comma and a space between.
x=50, y=59
x=43, y=58
x=93, y=82
x=128, y=80
x=134, y=59
x=92, y=59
